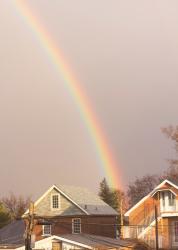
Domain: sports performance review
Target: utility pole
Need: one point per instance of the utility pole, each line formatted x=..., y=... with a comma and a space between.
x=121, y=217
x=29, y=227
x=31, y=221
x=156, y=228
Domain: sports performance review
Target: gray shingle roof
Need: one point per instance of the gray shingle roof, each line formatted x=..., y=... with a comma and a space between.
x=89, y=201
x=96, y=241
x=13, y=233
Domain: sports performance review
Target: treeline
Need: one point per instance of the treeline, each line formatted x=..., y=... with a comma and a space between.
x=141, y=186
x=12, y=207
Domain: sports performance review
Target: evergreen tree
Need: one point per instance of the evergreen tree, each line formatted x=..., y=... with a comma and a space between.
x=111, y=196
x=105, y=192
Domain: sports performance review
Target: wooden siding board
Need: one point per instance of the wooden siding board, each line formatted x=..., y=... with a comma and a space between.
x=139, y=217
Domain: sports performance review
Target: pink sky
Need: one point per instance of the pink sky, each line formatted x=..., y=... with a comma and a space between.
x=125, y=54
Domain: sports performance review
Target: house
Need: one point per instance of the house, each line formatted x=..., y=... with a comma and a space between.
x=141, y=217
x=72, y=218
x=72, y=210
x=12, y=237
x=80, y=242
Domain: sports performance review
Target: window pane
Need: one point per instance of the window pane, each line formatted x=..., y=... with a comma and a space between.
x=76, y=226
x=163, y=198
x=171, y=199
x=55, y=201
x=46, y=229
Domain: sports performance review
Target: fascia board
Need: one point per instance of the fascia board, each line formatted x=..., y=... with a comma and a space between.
x=149, y=195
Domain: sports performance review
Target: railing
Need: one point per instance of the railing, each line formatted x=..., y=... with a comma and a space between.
x=137, y=232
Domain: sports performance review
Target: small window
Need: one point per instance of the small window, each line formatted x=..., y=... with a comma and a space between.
x=46, y=229
x=76, y=226
x=55, y=201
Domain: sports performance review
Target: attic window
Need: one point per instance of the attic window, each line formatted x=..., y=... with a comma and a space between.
x=55, y=201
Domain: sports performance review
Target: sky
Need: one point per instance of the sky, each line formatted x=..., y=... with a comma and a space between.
x=125, y=56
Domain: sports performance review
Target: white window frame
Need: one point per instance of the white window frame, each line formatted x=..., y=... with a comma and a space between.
x=168, y=205
x=43, y=232
x=73, y=227
x=55, y=208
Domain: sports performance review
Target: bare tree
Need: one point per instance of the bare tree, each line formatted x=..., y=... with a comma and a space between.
x=172, y=172
x=143, y=185
x=16, y=205
x=172, y=133
x=140, y=187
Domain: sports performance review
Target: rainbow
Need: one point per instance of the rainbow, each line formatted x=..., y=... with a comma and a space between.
x=108, y=164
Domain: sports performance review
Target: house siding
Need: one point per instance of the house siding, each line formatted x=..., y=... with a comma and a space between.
x=43, y=208
x=144, y=215
x=61, y=219
x=97, y=225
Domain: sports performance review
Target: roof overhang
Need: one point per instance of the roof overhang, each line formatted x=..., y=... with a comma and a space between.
x=162, y=190
x=55, y=238
x=149, y=195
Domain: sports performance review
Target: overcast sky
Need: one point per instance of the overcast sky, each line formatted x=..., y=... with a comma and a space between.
x=125, y=55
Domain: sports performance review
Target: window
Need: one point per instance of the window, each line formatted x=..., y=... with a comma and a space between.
x=46, y=229
x=163, y=199
x=171, y=199
x=55, y=201
x=76, y=226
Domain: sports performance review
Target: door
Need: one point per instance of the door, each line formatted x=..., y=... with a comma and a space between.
x=174, y=233
x=56, y=245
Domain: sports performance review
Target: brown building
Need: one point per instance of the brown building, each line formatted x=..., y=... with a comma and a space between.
x=141, y=217
x=72, y=210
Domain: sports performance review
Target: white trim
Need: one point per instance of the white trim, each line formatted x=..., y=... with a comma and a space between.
x=167, y=214
x=172, y=184
x=136, y=205
x=40, y=199
x=148, y=195
x=73, y=225
x=54, y=237
x=162, y=190
x=61, y=192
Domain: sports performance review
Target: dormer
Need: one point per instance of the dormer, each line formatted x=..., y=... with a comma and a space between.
x=167, y=201
x=166, y=198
